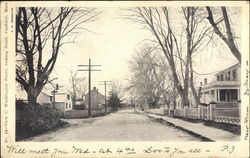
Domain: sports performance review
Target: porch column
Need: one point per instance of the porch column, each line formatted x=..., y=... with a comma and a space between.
x=238, y=94
x=204, y=97
x=218, y=95
x=226, y=95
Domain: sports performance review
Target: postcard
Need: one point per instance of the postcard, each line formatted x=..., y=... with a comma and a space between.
x=124, y=79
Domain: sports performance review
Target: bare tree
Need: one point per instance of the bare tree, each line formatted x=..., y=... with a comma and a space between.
x=158, y=22
x=78, y=87
x=148, y=77
x=227, y=36
x=40, y=35
x=117, y=88
x=196, y=34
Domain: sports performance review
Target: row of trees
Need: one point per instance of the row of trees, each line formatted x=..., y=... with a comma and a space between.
x=150, y=78
x=178, y=40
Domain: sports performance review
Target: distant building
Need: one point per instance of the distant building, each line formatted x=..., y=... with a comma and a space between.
x=97, y=99
x=79, y=104
x=42, y=98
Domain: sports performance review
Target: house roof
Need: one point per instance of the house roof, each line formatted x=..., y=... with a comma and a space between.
x=96, y=91
x=235, y=65
x=221, y=85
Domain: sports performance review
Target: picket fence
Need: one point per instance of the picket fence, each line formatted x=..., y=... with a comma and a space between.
x=212, y=112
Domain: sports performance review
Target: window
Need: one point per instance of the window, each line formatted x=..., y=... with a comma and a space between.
x=229, y=76
x=222, y=95
x=68, y=97
x=221, y=77
x=234, y=96
x=218, y=77
x=212, y=92
x=234, y=75
x=69, y=105
x=51, y=98
x=66, y=105
x=205, y=81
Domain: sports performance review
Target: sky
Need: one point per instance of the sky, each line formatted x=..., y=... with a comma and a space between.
x=113, y=43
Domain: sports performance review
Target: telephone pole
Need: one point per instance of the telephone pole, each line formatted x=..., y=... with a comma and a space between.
x=89, y=70
x=105, y=83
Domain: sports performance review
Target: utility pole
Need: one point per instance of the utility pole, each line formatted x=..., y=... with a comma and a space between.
x=54, y=91
x=89, y=70
x=105, y=83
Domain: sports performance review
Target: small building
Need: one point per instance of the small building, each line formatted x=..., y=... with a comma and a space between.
x=63, y=101
x=79, y=104
x=224, y=89
x=97, y=99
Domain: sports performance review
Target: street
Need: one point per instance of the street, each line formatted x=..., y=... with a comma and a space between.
x=124, y=125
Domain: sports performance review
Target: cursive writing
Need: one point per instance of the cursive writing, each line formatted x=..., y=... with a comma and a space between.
x=246, y=83
x=246, y=121
x=83, y=151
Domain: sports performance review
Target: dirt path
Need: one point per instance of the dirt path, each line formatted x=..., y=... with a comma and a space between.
x=125, y=125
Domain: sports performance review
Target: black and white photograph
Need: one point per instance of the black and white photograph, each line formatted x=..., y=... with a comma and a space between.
x=129, y=73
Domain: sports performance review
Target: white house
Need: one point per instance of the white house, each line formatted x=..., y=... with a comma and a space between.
x=222, y=88
x=63, y=101
x=225, y=87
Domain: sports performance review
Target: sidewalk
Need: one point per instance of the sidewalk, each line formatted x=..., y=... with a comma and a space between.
x=211, y=133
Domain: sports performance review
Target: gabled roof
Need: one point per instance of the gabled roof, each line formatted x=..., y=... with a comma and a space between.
x=94, y=90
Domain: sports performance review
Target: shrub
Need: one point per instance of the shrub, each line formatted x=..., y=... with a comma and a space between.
x=114, y=102
x=37, y=119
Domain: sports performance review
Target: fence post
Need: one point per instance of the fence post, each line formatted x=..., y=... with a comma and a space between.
x=199, y=111
x=239, y=107
x=202, y=112
x=185, y=113
x=207, y=114
x=211, y=106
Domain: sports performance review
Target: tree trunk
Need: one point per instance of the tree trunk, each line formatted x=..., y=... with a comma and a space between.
x=32, y=99
x=33, y=93
x=185, y=100
x=183, y=93
x=196, y=96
